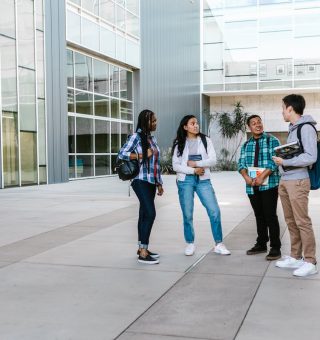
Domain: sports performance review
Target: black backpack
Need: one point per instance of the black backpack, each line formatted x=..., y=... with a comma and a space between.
x=314, y=171
x=127, y=170
x=204, y=142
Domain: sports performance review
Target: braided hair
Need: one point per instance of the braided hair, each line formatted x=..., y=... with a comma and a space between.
x=144, y=131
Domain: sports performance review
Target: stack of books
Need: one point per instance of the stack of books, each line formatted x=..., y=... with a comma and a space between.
x=288, y=151
x=254, y=172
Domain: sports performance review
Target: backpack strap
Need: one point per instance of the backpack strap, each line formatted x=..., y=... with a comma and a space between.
x=299, y=133
x=204, y=141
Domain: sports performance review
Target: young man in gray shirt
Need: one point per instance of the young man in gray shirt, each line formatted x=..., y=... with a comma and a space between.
x=294, y=188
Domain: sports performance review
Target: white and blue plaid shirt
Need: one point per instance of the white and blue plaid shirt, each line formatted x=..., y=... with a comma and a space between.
x=133, y=145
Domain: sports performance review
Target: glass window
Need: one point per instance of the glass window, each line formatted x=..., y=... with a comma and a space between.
x=307, y=22
x=120, y=17
x=126, y=110
x=70, y=73
x=213, y=77
x=126, y=130
x=114, y=80
x=115, y=109
x=121, y=48
x=28, y=151
x=132, y=24
x=84, y=130
x=113, y=163
x=101, y=106
x=107, y=10
x=125, y=84
x=241, y=34
x=71, y=100
x=306, y=47
x=84, y=103
x=73, y=27
x=10, y=152
x=83, y=72
x=133, y=53
x=84, y=166
x=71, y=134
x=274, y=45
x=102, y=136
x=39, y=14
x=272, y=2
x=72, y=167
x=40, y=64
x=42, y=132
x=212, y=29
x=91, y=6
x=101, y=77
x=269, y=22
x=8, y=74
x=7, y=18
x=102, y=165
x=213, y=56
x=25, y=17
x=115, y=134
x=238, y=3
x=133, y=6
x=275, y=69
x=27, y=97
x=90, y=34
x=107, y=42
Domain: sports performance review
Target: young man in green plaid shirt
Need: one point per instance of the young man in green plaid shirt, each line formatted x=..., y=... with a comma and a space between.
x=258, y=152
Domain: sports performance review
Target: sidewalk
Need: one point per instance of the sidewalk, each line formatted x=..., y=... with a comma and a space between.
x=68, y=269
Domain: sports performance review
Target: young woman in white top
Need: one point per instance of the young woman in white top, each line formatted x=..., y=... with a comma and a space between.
x=191, y=160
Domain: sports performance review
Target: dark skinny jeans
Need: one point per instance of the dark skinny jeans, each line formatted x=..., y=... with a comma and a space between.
x=145, y=192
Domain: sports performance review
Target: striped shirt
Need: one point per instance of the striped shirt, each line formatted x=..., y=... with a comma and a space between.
x=264, y=160
x=133, y=145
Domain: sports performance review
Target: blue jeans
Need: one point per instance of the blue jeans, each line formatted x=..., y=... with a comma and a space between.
x=145, y=192
x=205, y=192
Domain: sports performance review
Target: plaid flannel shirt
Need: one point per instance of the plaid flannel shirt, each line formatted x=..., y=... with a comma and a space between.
x=133, y=145
x=264, y=160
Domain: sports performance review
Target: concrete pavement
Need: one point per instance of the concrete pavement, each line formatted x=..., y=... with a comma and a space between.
x=68, y=269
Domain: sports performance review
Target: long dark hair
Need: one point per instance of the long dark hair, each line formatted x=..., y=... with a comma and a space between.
x=143, y=129
x=180, y=140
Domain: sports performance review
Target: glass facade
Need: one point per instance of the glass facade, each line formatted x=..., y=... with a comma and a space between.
x=260, y=45
x=22, y=93
x=100, y=113
x=111, y=27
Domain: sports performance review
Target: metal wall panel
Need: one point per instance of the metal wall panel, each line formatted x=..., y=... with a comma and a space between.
x=170, y=63
x=56, y=90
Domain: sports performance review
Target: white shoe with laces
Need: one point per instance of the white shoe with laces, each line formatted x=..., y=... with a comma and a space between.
x=289, y=262
x=306, y=269
x=190, y=248
x=221, y=249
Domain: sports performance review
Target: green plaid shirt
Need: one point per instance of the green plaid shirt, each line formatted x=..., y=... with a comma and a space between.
x=265, y=159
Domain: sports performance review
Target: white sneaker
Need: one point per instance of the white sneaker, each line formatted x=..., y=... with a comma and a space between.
x=289, y=262
x=190, y=248
x=221, y=249
x=306, y=269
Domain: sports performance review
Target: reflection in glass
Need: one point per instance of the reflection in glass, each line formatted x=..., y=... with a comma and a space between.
x=25, y=17
x=70, y=73
x=10, y=148
x=72, y=167
x=71, y=100
x=107, y=10
x=84, y=166
x=102, y=136
x=133, y=6
x=83, y=72
x=115, y=110
x=126, y=110
x=84, y=103
x=102, y=165
x=107, y=42
x=120, y=17
x=71, y=134
x=40, y=64
x=91, y=6
x=126, y=130
x=73, y=27
x=101, y=106
x=7, y=18
x=39, y=14
x=28, y=151
x=27, y=97
x=101, y=77
x=90, y=34
x=132, y=24
x=241, y=34
x=114, y=80
x=84, y=135
x=115, y=140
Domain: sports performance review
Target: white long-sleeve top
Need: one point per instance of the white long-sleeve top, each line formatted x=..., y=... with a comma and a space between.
x=179, y=163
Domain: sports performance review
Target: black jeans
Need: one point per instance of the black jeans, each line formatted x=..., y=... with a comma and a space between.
x=145, y=192
x=264, y=204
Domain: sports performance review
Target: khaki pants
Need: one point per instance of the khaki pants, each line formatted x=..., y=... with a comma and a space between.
x=294, y=197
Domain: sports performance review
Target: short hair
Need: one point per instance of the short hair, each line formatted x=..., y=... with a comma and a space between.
x=251, y=117
x=297, y=102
